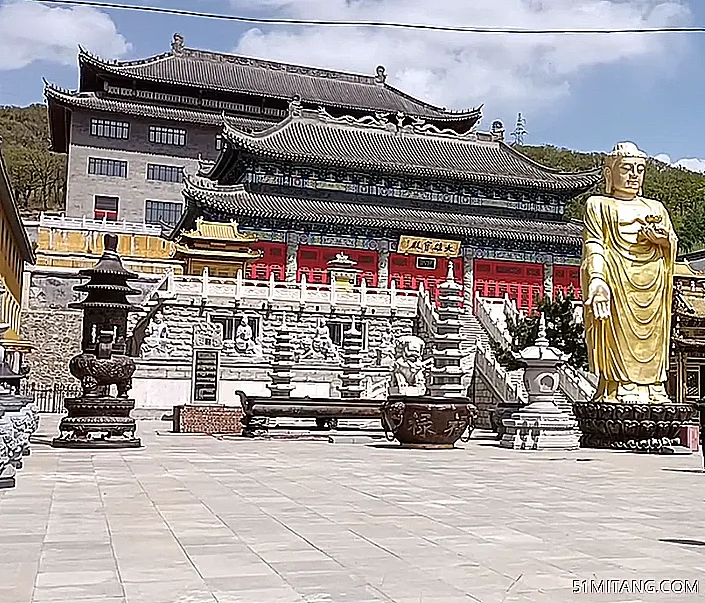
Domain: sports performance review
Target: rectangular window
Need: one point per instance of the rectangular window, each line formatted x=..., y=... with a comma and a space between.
x=107, y=167
x=162, y=212
x=109, y=128
x=165, y=173
x=164, y=135
x=218, y=142
x=105, y=207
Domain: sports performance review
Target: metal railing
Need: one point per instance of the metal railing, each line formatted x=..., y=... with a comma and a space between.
x=49, y=398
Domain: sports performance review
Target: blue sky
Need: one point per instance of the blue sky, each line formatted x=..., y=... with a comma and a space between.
x=579, y=92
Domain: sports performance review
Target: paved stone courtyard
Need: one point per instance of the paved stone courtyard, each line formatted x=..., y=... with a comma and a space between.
x=196, y=519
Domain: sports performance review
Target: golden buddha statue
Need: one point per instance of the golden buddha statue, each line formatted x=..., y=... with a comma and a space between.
x=629, y=251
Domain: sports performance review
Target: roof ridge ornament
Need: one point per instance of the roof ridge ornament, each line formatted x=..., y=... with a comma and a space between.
x=296, y=109
x=380, y=75
x=177, y=45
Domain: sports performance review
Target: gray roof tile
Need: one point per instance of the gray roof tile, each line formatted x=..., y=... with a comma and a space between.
x=93, y=102
x=245, y=75
x=236, y=202
x=423, y=151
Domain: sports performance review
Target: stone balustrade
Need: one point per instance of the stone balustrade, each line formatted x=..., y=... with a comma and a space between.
x=286, y=294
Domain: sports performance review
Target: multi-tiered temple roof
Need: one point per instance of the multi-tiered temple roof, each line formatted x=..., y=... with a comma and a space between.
x=192, y=85
x=384, y=175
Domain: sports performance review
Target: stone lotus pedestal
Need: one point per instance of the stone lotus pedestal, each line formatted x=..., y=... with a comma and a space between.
x=638, y=427
x=427, y=422
x=540, y=425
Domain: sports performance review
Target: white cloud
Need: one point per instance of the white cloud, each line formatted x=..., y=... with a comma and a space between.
x=30, y=32
x=689, y=163
x=460, y=70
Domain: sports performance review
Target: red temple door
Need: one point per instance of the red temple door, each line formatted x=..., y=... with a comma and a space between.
x=313, y=263
x=522, y=282
x=272, y=262
x=409, y=271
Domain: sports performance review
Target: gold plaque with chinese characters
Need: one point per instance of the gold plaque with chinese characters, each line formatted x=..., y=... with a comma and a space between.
x=426, y=246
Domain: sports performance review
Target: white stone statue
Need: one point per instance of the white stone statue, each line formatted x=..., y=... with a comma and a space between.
x=245, y=343
x=321, y=346
x=408, y=378
x=156, y=342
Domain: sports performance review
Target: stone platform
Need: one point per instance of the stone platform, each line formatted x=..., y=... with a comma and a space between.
x=201, y=519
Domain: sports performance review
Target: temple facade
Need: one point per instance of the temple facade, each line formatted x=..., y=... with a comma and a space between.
x=398, y=199
x=132, y=127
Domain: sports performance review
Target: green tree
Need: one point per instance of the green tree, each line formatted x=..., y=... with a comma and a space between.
x=563, y=331
x=38, y=176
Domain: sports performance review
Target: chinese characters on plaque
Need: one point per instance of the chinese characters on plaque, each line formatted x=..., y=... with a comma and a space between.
x=426, y=246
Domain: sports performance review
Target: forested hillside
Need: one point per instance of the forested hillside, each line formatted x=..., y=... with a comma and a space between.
x=682, y=191
x=39, y=177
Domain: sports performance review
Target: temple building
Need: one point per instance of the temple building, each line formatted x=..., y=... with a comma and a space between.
x=133, y=126
x=395, y=197
x=218, y=248
x=15, y=252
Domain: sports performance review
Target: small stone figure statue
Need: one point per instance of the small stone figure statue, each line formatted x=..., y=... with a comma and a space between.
x=321, y=346
x=408, y=378
x=245, y=343
x=156, y=342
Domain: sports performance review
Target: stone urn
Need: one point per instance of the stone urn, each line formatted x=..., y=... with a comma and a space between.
x=428, y=422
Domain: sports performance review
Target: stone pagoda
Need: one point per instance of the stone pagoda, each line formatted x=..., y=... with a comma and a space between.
x=352, y=377
x=97, y=419
x=541, y=425
x=446, y=374
x=283, y=363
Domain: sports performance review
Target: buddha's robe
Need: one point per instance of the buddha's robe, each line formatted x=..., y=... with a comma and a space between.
x=632, y=345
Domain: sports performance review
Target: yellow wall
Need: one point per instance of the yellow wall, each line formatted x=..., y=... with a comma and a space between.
x=81, y=241
x=11, y=264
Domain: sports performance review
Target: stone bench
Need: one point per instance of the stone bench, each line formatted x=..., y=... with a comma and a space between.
x=325, y=411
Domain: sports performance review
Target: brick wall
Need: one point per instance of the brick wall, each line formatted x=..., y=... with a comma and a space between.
x=207, y=419
x=134, y=190
x=57, y=335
